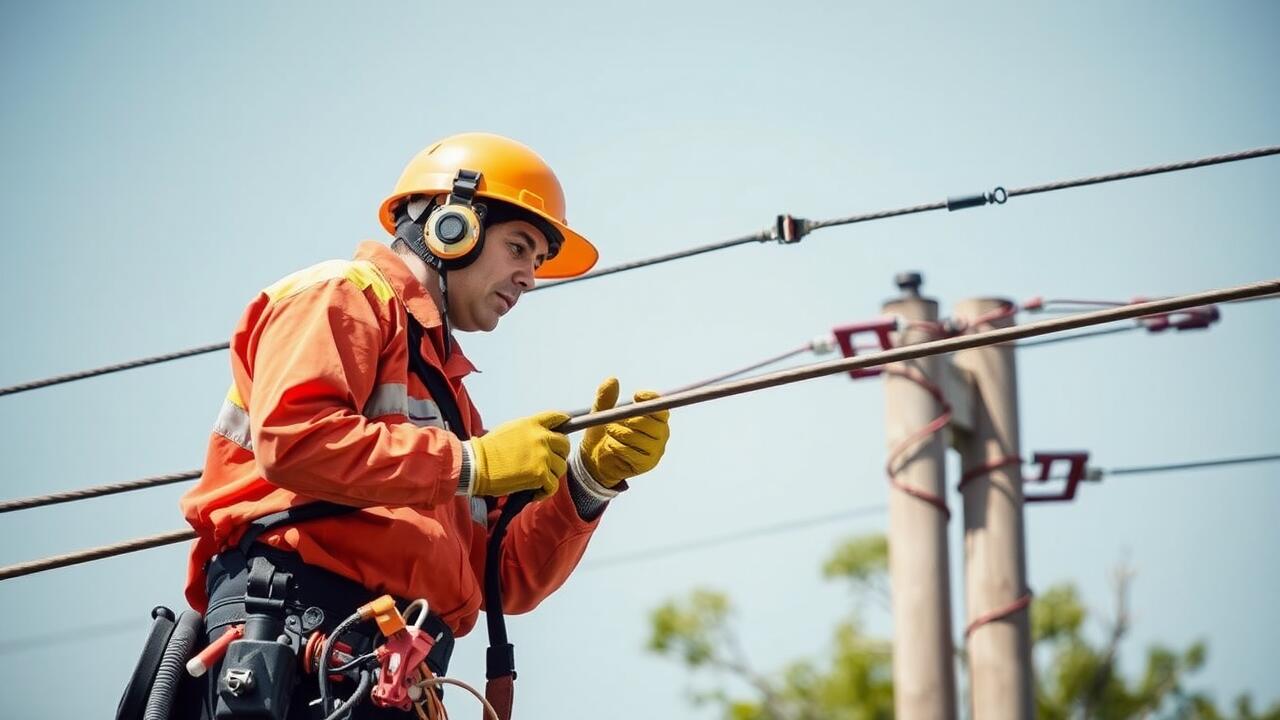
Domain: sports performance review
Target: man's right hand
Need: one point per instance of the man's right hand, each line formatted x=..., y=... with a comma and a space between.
x=524, y=454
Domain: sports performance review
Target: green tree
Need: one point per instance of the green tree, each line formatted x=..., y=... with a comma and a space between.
x=1076, y=678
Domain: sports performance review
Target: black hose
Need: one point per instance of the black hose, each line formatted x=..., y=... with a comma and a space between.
x=172, y=666
x=362, y=689
x=326, y=652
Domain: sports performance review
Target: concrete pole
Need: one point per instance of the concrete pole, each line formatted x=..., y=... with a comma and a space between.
x=919, y=568
x=996, y=595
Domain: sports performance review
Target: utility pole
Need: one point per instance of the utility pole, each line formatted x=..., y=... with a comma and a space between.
x=997, y=601
x=919, y=568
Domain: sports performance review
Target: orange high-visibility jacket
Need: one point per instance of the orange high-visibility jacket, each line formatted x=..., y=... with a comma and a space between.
x=324, y=406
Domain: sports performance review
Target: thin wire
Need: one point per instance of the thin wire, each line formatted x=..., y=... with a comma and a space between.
x=738, y=535
x=1220, y=462
x=1142, y=172
x=112, y=628
x=1076, y=336
x=1064, y=184
x=744, y=370
x=759, y=237
x=771, y=380
x=36, y=501
x=96, y=491
x=763, y=236
x=69, y=377
x=878, y=215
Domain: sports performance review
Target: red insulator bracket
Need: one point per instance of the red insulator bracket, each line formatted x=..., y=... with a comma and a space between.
x=398, y=660
x=880, y=327
x=1197, y=318
x=1075, y=474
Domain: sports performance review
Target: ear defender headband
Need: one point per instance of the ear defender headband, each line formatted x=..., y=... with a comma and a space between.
x=453, y=232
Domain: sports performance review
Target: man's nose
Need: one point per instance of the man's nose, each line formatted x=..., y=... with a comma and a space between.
x=524, y=277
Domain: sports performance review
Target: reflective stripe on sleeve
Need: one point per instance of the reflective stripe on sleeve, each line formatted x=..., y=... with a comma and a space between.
x=387, y=399
x=479, y=510
x=233, y=421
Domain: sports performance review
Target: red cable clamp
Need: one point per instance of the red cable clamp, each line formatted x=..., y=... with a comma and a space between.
x=1196, y=318
x=880, y=326
x=1075, y=473
x=398, y=659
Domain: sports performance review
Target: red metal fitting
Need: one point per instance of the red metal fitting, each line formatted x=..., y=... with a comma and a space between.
x=399, y=659
x=1196, y=318
x=1075, y=473
x=881, y=327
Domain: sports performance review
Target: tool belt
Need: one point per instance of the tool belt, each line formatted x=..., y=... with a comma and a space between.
x=336, y=596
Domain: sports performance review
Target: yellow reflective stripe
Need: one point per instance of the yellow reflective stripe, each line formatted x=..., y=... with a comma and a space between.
x=362, y=273
x=233, y=397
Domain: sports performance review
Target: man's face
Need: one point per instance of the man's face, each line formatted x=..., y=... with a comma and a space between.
x=481, y=293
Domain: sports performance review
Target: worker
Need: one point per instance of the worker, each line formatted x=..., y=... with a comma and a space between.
x=348, y=394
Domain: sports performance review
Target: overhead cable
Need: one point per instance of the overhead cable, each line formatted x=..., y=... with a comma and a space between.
x=1172, y=467
x=725, y=538
x=818, y=346
x=786, y=230
x=105, y=370
x=777, y=379
x=96, y=491
x=693, y=545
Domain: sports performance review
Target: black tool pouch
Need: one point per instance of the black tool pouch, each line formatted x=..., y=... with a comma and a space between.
x=159, y=687
x=258, y=672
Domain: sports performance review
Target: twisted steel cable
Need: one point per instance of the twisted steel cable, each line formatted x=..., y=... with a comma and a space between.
x=772, y=380
x=107, y=369
x=96, y=491
x=998, y=196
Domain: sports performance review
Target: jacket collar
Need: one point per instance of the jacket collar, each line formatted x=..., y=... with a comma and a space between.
x=418, y=302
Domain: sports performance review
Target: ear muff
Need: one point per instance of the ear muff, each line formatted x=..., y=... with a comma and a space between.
x=453, y=231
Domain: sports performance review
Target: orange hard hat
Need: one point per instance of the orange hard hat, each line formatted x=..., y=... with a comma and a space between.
x=510, y=172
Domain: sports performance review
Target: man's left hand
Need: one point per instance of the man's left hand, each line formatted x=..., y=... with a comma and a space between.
x=626, y=448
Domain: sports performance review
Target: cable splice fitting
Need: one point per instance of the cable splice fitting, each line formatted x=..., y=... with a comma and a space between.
x=788, y=229
x=999, y=196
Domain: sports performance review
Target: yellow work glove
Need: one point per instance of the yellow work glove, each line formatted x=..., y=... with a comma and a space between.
x=626, y=448
x=524, y=454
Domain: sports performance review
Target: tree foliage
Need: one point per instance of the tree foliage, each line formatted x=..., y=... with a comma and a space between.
x=1076, y=677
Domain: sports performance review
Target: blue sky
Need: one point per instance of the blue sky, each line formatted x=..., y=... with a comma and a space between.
x=164, y=161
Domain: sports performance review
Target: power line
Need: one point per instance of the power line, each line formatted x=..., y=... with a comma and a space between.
x=744, y=534
x=1077, y=336
x=96, y=553
x=925, y=349
x=776, y=379
x=25, y=643
x=999, y=195
x=787, y=230
x=1196, y=465
x=107, y=369
x=96, y=491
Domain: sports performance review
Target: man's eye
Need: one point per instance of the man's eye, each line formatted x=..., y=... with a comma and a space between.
x=516, y=249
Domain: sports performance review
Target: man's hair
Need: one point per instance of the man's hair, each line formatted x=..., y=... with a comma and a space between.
x=496, y=212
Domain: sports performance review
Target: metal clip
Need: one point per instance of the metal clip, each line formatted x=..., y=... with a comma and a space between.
x=239, y=681
x=1075, y=473
x=788, y=229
